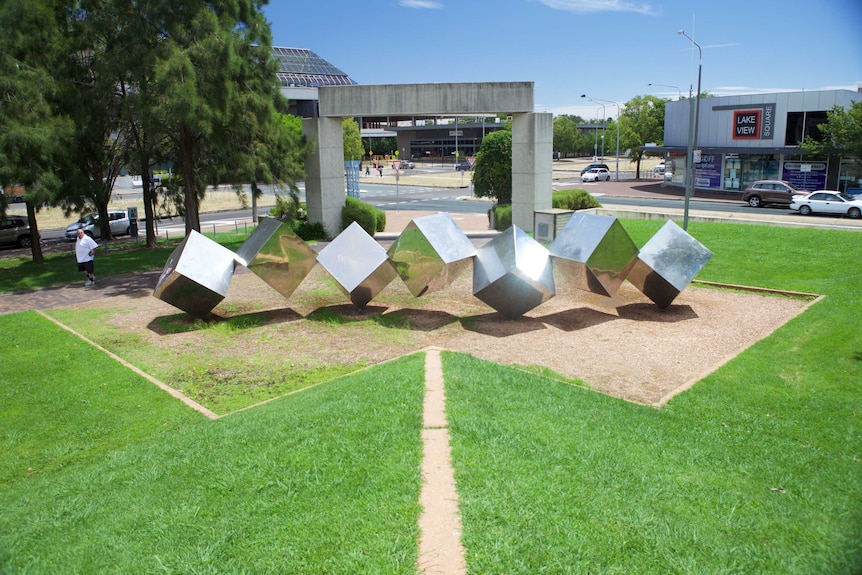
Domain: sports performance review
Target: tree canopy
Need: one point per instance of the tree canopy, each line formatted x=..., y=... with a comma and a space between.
x=92, y=87
x=841, y=135
x=492, y=177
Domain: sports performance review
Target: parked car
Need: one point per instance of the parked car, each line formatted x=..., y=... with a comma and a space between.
x=827, y=202
x=596, y=175
x=591, y=166
x=407, y=164
x=15, y=232
x=658, y=170
x=119, y=222
x=764, y=192
x=463, y=166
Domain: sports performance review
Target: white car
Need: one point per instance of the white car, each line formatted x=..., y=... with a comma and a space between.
x=827, y=202
x=596, y=175
x=659, y=170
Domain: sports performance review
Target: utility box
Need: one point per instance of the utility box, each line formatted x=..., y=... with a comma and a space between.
x=548, y=223
x=133, y=222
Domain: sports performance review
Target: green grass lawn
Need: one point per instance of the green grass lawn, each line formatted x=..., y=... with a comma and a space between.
x=756, y=469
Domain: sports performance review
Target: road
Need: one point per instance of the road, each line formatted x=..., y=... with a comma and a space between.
x=630, y=194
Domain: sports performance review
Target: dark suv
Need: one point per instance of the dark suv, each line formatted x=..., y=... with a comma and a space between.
x=15, y=232
x=763, y=192
x=591, y=166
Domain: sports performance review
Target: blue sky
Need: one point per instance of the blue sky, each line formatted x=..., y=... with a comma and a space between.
x=607, y=49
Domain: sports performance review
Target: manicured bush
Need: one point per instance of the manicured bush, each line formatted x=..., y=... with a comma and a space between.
x=502, y=219
x=367, y=216
x=574, y=200
x=310, y=231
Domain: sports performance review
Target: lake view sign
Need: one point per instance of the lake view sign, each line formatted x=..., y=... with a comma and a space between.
x=746, y=124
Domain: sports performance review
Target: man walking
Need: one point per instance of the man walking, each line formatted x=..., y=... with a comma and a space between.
x=85, y=249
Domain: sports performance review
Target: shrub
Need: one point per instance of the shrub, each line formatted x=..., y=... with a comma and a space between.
x=310, y=231
x=502, y=216
x=574, y=200
x=367, y=216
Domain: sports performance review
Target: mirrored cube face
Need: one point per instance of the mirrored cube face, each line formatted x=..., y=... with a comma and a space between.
x=667, y=263
x=196, y=276
x=513, y=274
x=358, y=263
x=275, y=254
x=431, y=253
x=593, y=253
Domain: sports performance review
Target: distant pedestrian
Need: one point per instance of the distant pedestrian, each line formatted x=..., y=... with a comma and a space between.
x=367, y=170
x=85, y=250
x=380, y=170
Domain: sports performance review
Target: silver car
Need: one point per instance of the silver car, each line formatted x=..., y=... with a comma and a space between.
x=15, y=232
x=119, y=222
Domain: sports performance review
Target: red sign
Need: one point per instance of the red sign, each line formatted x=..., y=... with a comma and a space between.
x=746, y=124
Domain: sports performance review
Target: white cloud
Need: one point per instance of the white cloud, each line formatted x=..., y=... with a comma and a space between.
x=420, y=4
x=584, y=6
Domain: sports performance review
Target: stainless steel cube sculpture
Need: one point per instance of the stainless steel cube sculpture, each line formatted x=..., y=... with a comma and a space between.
x=431, y=253
x=512, y=273
x=197, y=275
x=667, y=263
x=594, y=253
x=358, y=263
x=275, y=254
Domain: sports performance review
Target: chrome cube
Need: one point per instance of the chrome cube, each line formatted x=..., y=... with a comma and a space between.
x=594, y=253
x=512, y=273
x=358, y=263
x=275, y=254
x=431, y=253
x=667, y=263
x=197, y=275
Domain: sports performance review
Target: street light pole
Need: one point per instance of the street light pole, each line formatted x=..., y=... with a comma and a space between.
x=679, y=92
x=692, y=144
x=617, y=175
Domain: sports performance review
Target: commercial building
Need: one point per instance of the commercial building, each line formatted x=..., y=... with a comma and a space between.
x=756, y=137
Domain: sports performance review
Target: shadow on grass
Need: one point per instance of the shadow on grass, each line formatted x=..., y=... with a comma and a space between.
x=184, y=323
x=406, y=319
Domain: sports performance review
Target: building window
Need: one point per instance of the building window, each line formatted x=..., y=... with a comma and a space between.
x=803, y=124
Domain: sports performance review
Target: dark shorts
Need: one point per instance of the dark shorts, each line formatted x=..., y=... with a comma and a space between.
x=86, y=266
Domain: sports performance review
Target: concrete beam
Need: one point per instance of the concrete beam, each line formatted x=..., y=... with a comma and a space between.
x=425, y=99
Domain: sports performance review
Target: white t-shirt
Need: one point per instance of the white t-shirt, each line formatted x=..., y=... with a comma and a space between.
x=83, y=247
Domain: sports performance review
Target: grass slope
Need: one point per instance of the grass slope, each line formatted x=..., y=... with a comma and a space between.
x=326, y=481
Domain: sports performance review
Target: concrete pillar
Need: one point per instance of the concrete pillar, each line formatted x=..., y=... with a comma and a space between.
x=325, y=185
x=532, y=166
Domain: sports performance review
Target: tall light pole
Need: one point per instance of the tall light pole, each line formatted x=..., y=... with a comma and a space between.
x=617, y=176
x=679, y=92
x=692, y=143
x=596, y=149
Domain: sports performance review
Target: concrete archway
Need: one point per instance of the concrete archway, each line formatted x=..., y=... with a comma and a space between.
x=532, y=137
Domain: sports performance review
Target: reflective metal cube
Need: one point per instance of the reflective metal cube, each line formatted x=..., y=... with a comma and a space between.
x=431, y=253
x=667, y=263
x=358, y=263
x=197, y=275
x=594, y=253
x=275, y=254
x=512, y=273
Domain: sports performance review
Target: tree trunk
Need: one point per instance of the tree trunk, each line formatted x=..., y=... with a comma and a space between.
x=193, y=220
x=148, y=197
x=35, y=238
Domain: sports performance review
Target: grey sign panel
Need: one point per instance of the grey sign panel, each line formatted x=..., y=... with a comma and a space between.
x=512, y=273
x=196, y=276
x=431, y=253
x=274, y=253
x=358, y=263
x=667, y=263
x=594, y=253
